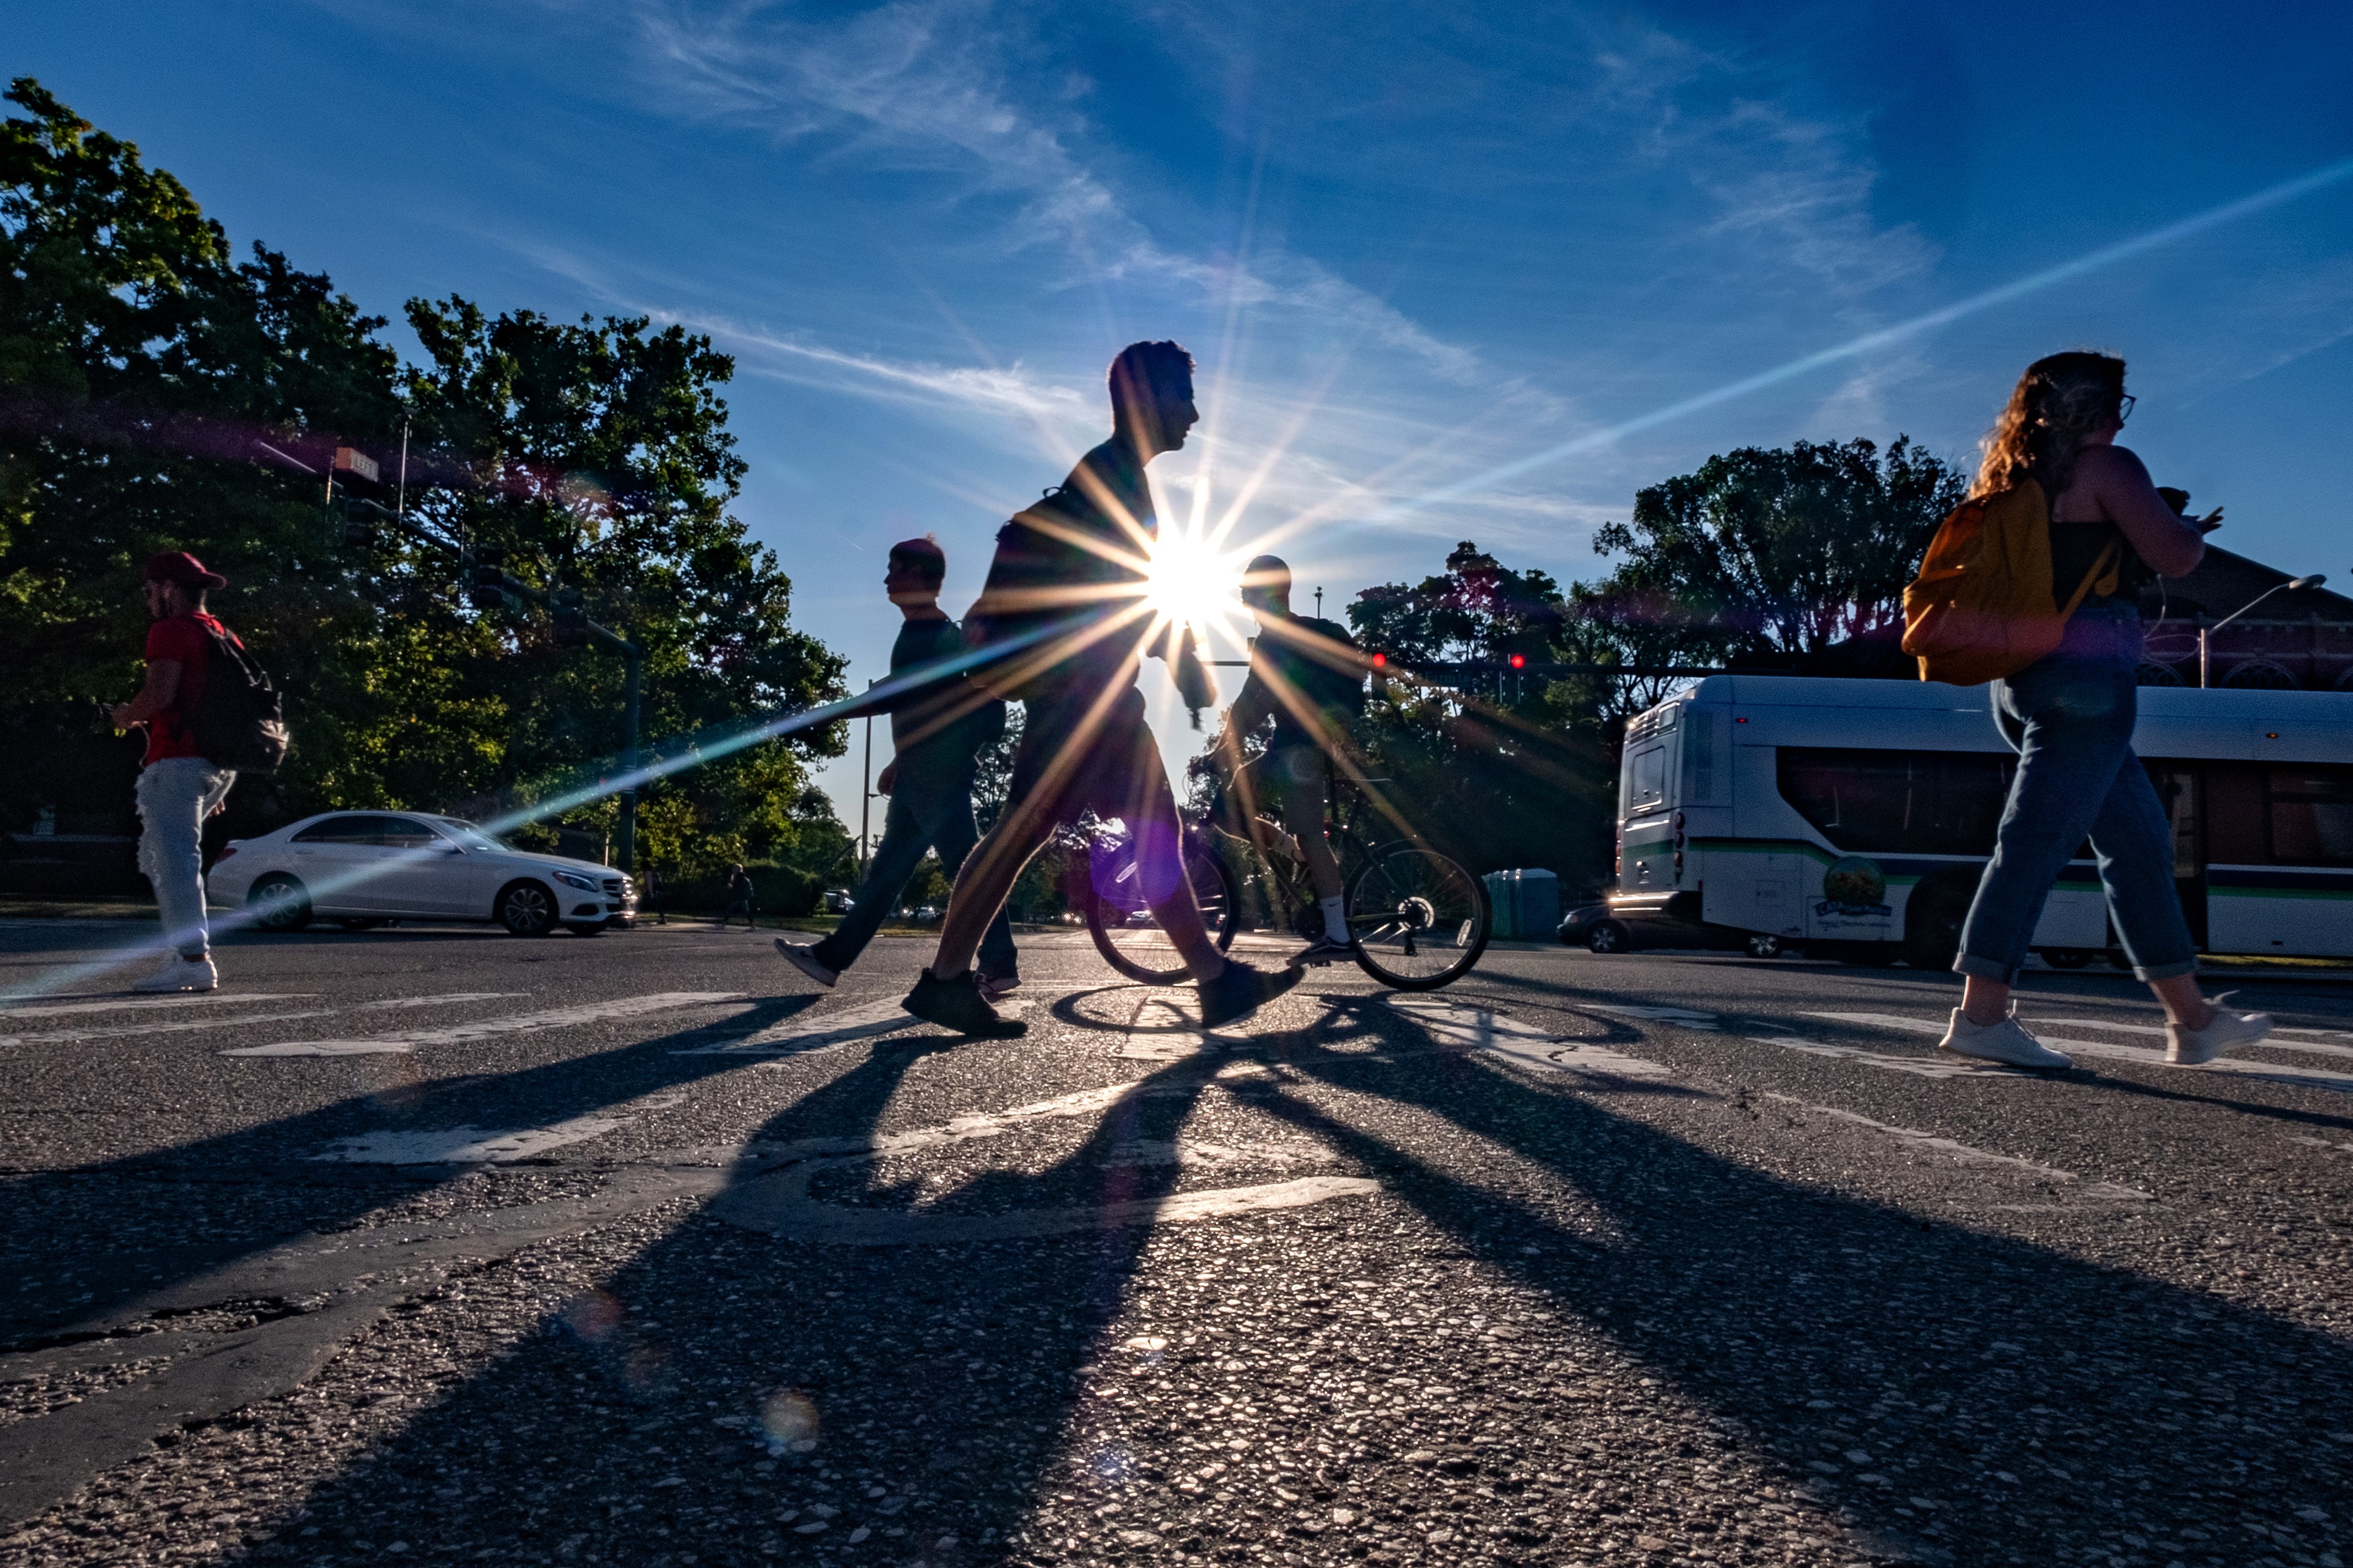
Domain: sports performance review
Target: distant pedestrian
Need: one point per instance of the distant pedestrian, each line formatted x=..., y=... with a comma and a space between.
x=653, y=893
x=937, y=744
x=739, y=897
x=2070, y=717
x=178, y=789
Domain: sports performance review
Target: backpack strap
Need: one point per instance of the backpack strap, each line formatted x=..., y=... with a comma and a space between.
x=2100, y=568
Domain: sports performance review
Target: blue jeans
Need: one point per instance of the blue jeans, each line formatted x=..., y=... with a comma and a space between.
x=926, y=813
x=2069, y=718
x=175, y=795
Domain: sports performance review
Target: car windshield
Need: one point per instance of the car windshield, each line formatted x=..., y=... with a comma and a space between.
x=471, y=836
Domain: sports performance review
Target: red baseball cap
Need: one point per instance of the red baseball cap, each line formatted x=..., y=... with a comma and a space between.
x=179, y=566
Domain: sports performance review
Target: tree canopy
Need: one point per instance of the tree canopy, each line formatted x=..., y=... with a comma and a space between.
x=155, y=392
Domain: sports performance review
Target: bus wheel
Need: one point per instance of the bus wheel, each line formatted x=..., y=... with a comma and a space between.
x=1763, y=944
x=1932, y=926
x=2066, y=957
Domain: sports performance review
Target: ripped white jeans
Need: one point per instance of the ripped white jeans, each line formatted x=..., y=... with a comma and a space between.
x=175, y=795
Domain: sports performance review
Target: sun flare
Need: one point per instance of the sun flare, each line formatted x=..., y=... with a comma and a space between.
x=1193, y=584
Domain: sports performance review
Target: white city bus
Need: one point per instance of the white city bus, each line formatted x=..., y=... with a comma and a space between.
x=1853, y=816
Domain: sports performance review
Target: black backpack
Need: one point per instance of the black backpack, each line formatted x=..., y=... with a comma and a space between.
x=239, y=722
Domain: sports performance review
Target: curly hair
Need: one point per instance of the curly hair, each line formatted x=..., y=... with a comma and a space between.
x=2059, y=402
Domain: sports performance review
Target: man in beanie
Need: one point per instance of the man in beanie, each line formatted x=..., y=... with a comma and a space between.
x=178, y=788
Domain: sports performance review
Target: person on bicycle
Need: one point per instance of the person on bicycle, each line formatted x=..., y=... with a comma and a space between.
x=1307, y=675
x=1062, y=623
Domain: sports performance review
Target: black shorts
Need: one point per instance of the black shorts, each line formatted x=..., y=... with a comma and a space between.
x=1064, y=765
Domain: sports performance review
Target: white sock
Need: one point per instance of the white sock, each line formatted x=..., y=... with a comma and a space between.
x=1336, y=918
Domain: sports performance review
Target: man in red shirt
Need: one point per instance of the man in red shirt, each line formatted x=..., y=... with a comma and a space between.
x=179, y=787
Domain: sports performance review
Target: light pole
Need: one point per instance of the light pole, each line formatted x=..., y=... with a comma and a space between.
x=866, y=793
x=2314, y=581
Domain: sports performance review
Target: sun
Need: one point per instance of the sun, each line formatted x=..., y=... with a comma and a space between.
x=1192, y=583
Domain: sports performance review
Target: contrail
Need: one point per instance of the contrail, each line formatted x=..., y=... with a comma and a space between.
x=2108, y=256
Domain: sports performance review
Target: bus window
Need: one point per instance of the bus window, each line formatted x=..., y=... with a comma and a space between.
x=1646, y=780
x=1923, y=803
x=2311, y=816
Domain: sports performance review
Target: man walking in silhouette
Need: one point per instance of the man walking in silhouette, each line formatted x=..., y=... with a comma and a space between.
x=179, y=787
x=936, y=744
x=1065, y=598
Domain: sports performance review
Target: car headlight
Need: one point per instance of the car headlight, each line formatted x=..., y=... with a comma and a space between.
x=569, y=880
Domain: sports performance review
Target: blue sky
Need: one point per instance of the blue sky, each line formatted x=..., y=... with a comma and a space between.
x=1413, y=247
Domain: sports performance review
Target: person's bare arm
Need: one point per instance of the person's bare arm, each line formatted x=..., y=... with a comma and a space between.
x=163, y=684
x=2120, y=483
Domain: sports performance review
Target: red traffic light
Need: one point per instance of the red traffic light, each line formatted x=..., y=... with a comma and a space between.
x=1380, y=660
x=1519, y=662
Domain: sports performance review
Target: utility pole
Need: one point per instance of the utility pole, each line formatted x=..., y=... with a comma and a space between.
x=1319, y=603
x=866, y=793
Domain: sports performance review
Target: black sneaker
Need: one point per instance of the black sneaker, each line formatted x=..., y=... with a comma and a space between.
x=1240, y=990
x=957, y=1004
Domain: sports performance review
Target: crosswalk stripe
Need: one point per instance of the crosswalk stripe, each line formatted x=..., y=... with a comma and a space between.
x=1460, y=1024
x=152, y=1004
x=1966, y=1155
x=463, y=1145
x=406, y=1040
x=819, y=1029
x=2236, y=1066
x=177, y=1026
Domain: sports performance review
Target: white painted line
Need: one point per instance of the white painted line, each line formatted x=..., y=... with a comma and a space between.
x=2235, y=1067
x=177, y=1026
x=818, y=1029
x=1962, y=1154
x=463, y=1145
x=1478, y=1028
x=149, y=1004
x=485, y=1028
x=450, y=1000
x=2271, y=1042
x=1938, y=1066
x=1681, y=1018
x=780, y=1205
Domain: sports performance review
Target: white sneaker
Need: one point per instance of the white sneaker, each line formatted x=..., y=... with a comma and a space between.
x=2006, y=1042
x=181, y=974
x=804, y=958
x=996, y=988
x=2194, y=1047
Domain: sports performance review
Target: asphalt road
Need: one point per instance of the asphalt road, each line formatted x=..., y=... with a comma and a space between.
x=443, y=1246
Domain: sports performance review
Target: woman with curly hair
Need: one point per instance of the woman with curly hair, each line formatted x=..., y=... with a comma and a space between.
x=2070, y=715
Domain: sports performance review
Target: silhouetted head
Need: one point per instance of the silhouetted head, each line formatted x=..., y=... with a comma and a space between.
x=2061, y=406
x=1152, y=397
x=1266, y=586
x=917, y=569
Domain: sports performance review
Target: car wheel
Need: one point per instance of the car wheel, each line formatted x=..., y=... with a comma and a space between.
x=588, y=928
x=1763, y=945
x=1609, y=936
x=526, y=909
x=278, y=904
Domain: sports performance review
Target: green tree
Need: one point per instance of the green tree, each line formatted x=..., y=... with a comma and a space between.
x=146, y=379
x=1773, y=552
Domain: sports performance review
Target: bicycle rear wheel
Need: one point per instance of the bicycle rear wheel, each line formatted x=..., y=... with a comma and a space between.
x=1420, y=919
x=1129, y=937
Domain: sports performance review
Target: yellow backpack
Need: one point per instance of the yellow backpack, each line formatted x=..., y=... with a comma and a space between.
x=1982, y=607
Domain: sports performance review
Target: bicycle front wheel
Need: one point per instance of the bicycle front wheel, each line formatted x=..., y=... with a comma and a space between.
x=1420, y=919
x=1128, y=934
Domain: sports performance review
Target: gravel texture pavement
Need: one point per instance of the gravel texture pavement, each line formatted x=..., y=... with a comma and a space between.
x=434, y=1245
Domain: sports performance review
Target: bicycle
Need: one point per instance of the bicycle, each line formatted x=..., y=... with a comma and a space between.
x=1420, y=920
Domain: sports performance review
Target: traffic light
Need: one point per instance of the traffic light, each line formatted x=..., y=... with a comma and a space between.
x=571, y=618
x=487, y=590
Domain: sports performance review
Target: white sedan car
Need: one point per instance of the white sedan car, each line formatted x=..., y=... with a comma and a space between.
x=363, y=869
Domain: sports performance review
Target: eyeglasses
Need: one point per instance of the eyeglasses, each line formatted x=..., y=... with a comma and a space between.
x=2125, y=408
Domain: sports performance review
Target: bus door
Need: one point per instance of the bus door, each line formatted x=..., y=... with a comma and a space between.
x=2182, y=787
